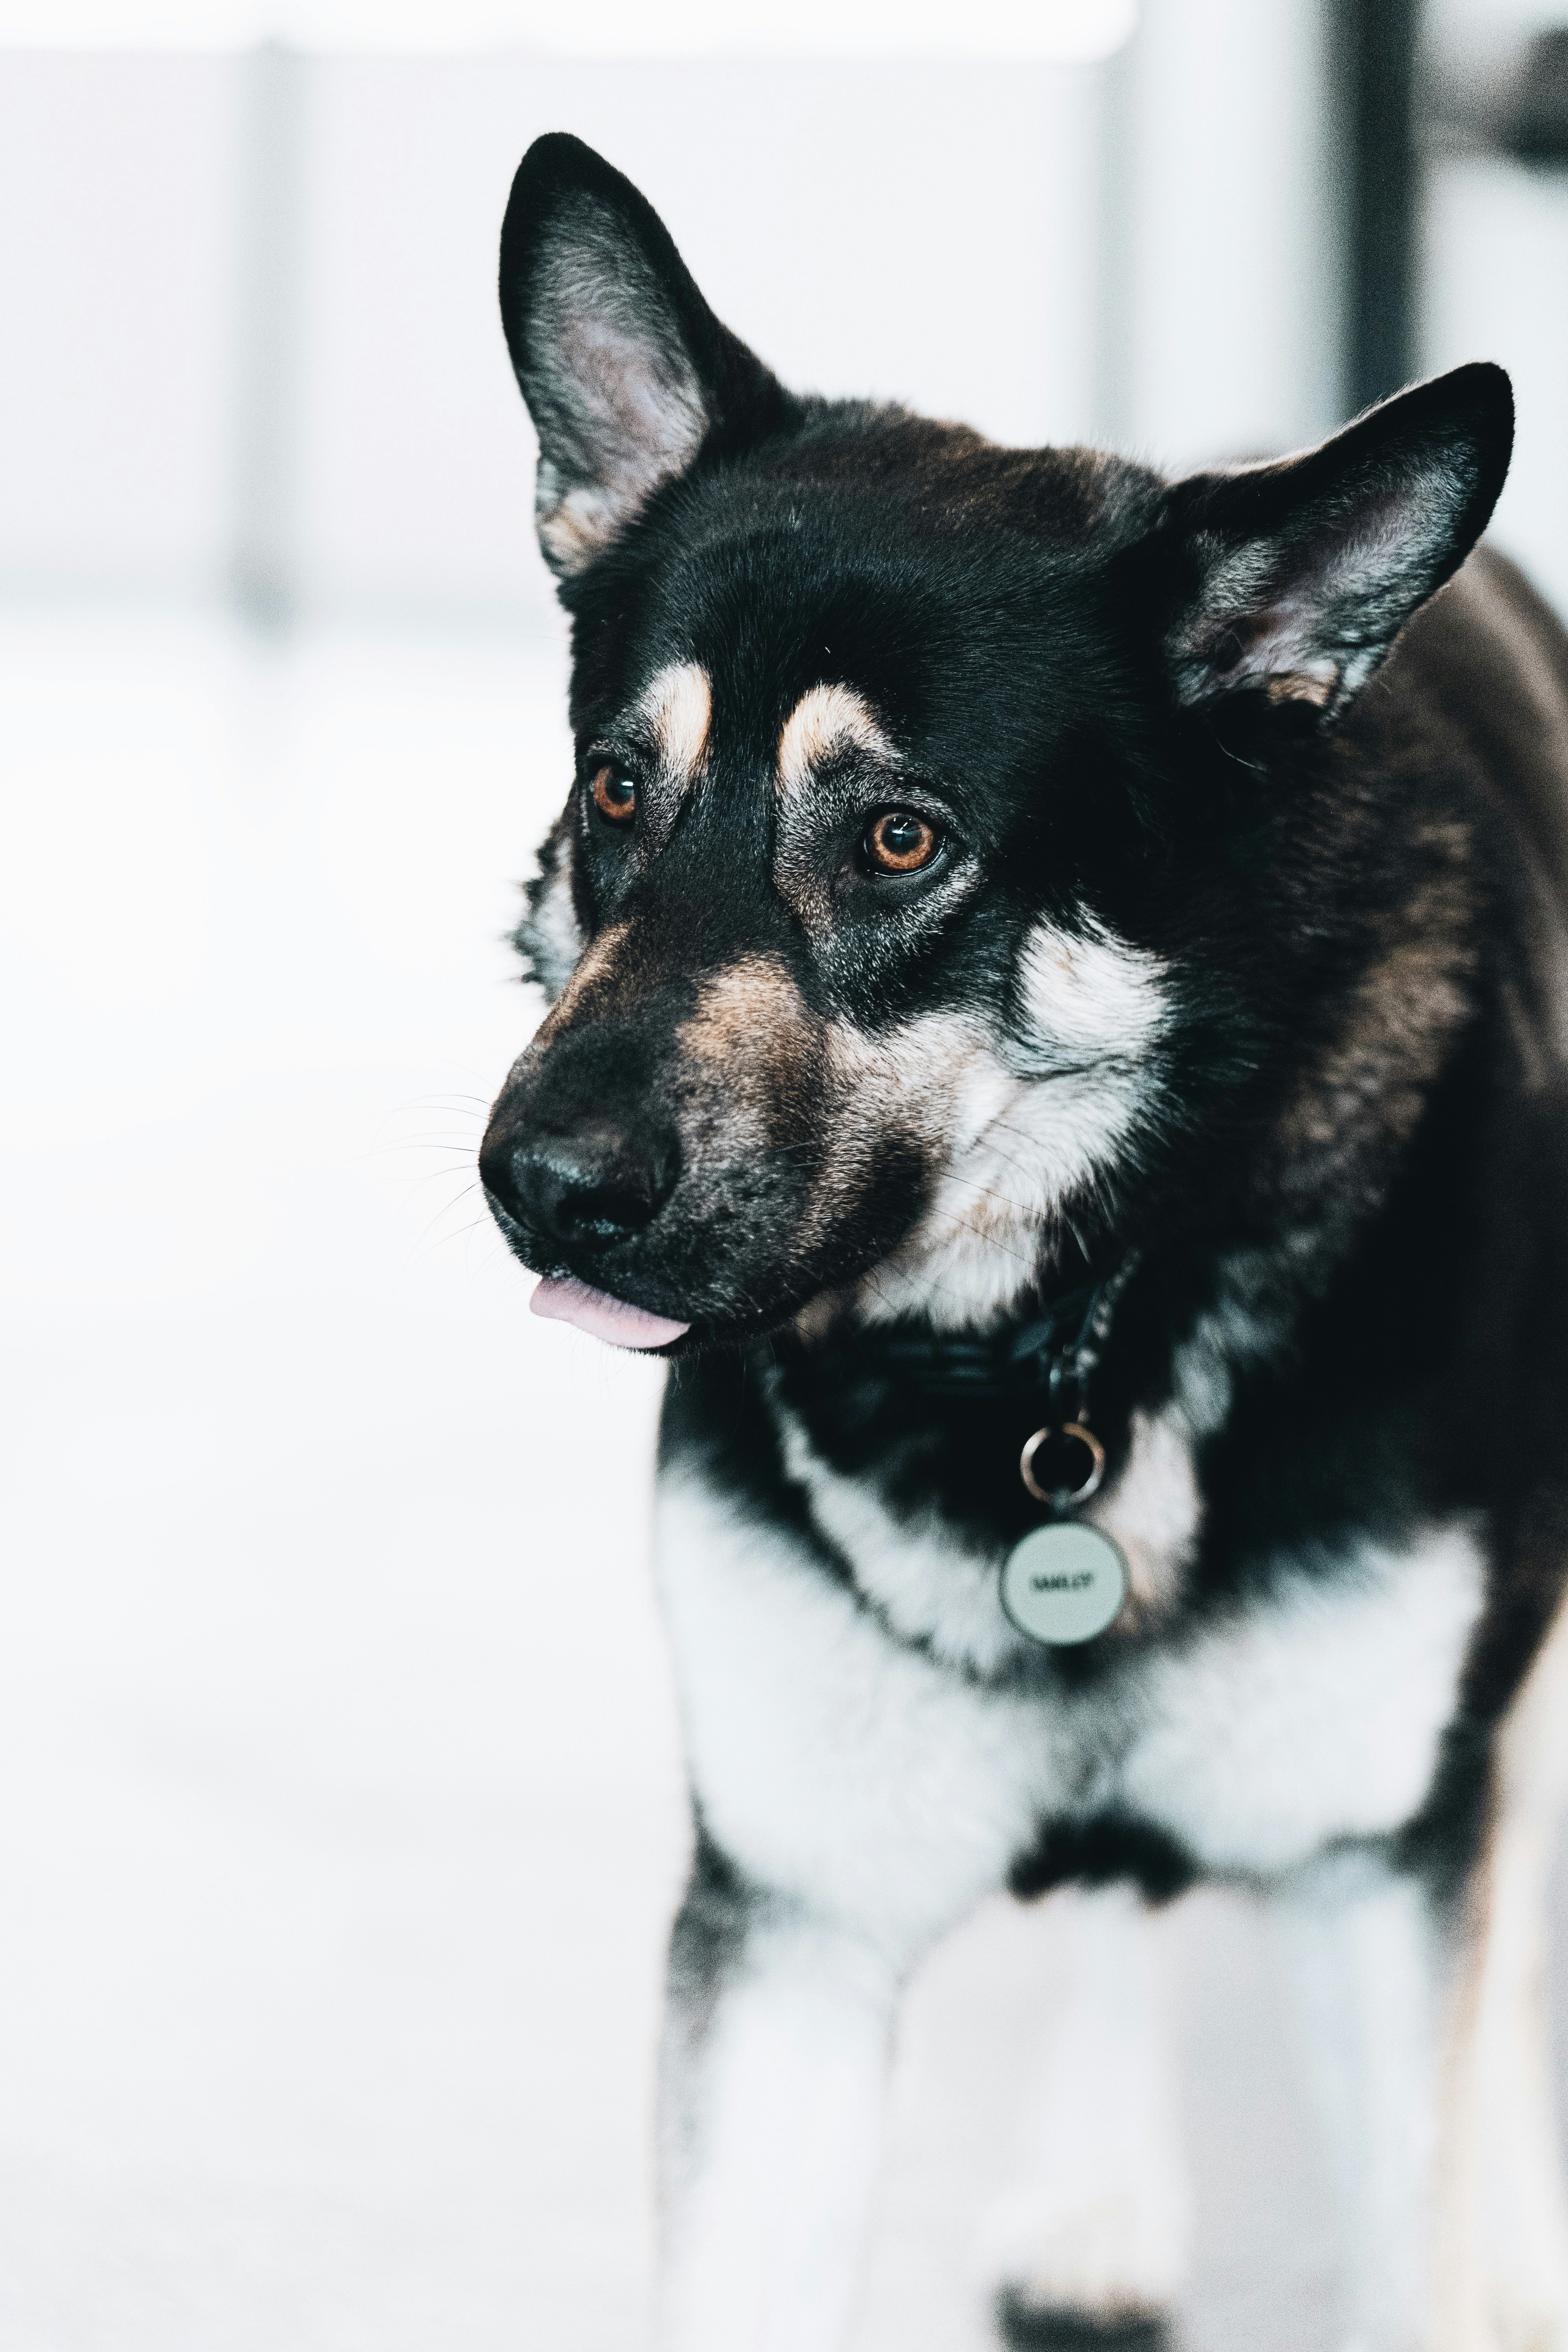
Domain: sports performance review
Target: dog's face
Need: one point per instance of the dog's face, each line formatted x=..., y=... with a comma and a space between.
x=902, y=919
x=820, y=918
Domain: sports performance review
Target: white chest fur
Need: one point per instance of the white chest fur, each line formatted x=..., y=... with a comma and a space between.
x=884, y=1784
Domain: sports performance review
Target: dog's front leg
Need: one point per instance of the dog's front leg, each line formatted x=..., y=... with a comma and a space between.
x=774, y=2054
x=1093, y=2234
x=1373, y=1980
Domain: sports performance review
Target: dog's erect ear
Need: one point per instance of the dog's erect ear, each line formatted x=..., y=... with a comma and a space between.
x=1293, y=580
x=626, y=371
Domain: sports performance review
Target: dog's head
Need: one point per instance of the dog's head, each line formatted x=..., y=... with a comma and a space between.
x=916, y=903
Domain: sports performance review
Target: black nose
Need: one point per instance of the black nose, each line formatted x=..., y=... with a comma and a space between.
x=591, y=1186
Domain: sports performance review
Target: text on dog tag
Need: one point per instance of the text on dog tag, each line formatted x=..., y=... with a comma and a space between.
x=1064, y=1583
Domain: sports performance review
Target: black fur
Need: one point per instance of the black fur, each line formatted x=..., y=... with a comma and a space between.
x=1024, y=2329
x=1096, y=1852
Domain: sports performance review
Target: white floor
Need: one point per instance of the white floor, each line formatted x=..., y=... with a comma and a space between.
x=340, y=1805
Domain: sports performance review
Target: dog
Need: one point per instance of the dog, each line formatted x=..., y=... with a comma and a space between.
x=1056, y=1032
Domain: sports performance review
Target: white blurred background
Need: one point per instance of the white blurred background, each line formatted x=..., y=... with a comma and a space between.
x=340, y=1806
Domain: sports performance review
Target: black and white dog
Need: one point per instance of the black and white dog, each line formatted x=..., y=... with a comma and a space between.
x=1058, y=1033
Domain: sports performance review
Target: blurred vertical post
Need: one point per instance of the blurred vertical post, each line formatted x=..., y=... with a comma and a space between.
x=1220, y=333
x=272, y=235
x=1374, y=60
x=1116, y=356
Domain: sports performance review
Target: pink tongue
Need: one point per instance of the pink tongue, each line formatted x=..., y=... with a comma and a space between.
x=561, y=1300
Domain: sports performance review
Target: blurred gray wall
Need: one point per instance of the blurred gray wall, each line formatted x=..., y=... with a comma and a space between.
x=1494, y=272
x=251, y=339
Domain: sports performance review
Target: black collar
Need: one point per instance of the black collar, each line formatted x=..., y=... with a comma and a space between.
x=1050, y=1357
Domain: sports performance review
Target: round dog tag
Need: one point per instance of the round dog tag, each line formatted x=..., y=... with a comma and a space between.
x=1064, y=1583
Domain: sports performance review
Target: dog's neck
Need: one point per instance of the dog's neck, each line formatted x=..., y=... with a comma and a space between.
x=1049, y=1352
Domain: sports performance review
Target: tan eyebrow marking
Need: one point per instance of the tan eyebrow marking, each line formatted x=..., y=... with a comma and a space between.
x=824, y=717
x=677, y=705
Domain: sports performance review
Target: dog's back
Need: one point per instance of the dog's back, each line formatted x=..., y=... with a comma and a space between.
x=1492, y=655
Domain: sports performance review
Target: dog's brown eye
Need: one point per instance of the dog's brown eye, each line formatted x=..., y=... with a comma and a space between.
x=899, y=842
x=615, y=795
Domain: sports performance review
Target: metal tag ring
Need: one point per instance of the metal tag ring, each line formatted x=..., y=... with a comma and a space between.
x=1063, y=1497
